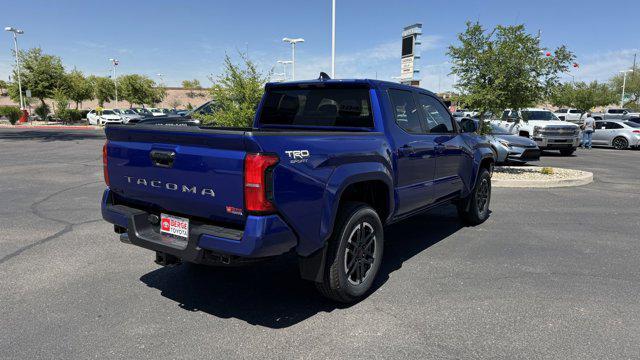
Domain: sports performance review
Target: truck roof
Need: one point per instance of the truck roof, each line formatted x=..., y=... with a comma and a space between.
x=369, y=82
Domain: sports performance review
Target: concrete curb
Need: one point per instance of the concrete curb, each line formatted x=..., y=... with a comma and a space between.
x=50, y=127
x=582, y=179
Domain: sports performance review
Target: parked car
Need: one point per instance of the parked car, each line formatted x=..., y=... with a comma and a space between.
x=104, y=117
x=616, y=114
x=158, y=111
x=543, y=127
x=634, y=120
x=92, y=117
x=575, y=116
x=617, y=134
x=142, y=111
x=128, y=115
x=511, y=148
x=324, y=167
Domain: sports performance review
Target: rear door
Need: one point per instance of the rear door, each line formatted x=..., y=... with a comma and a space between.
x=449, y=146
x=416, y=160
x=599, y=135
x=193, y=173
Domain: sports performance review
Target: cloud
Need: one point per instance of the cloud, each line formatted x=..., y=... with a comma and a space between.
x=603, y=66
x=90, y=44
x=380, y=61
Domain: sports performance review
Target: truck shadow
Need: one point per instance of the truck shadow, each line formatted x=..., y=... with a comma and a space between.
x=271, y=294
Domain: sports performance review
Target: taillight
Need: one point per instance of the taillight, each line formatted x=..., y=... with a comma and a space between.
x=104, y=163
x=257, y=182
x=636, y=131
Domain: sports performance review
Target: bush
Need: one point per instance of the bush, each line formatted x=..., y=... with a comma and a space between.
x=42, y=111
x=12, y=113
x=74, y=115
x=547, y=171
x=83, y=114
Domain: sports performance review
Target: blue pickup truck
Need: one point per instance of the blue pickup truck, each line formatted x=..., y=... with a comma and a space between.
x=326, y=165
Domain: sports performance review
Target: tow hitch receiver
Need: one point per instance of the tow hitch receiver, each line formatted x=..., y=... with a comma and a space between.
x=165, y=259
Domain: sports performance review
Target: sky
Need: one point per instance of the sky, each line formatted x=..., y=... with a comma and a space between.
x=189, y=39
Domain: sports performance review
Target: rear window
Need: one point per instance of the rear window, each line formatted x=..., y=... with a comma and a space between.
x=632, y=124
x=318, y=107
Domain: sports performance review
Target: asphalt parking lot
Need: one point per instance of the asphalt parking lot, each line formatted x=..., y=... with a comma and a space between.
x=554, y=273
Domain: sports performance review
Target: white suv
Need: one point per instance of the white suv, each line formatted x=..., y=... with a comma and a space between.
x=543, y=127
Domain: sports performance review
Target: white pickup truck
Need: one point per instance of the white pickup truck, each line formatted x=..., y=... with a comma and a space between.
x=543, y=127
x=575, y=116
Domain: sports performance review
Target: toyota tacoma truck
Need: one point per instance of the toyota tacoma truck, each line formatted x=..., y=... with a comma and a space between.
x=543, y=127
x=326, y=164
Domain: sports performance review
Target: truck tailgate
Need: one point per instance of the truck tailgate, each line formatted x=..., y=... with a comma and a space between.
x=189, y=172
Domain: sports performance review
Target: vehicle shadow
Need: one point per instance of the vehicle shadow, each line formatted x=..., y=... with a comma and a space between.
x=50, y=135
x=271, y=294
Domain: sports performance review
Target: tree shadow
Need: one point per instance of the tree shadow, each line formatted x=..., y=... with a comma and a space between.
x=50, y=135
x=271, y=294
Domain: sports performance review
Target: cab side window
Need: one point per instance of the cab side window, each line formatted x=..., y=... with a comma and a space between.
x=436, y=117
x=405, y=111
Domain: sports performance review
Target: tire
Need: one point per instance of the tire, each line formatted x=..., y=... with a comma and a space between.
x=567, y=152
x=620, y=143
x=474, y=209
x=354, y=256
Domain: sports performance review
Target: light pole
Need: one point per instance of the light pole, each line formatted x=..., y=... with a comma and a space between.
x=115, y=63
x=161, y=80
x=17, y=32
x=333, y=39
x=293, y=43
x=624, y=84
x=284, y=67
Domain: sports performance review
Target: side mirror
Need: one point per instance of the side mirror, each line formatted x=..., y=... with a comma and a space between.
x=469, y=125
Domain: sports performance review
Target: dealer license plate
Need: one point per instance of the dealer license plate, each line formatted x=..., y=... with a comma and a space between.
x=174, y=225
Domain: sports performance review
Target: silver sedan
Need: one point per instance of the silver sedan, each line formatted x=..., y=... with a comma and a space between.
x=511, y=148
x=617, y=134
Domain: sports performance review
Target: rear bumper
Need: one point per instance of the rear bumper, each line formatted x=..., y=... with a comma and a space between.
x=263, y=236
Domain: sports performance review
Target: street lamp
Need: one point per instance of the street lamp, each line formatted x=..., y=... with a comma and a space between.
x=624, y=84
x=17, y=32
x=293, y=43
x=160, y=76
x=333, y=39
x=284, y=67
x=115, y=63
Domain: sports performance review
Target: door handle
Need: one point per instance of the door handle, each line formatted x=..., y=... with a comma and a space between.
x=439, y=148
x=407, y=150
x=162, y=158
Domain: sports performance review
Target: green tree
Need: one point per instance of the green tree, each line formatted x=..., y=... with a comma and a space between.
x=61, y=100
x=3, y=86
x=79, y=88
x=505, y=68
x=237, y=93
x=103, y=89
x=40, y=73
x=192, y=85
x=140, y=89
x=582, y=96
x=631, y=89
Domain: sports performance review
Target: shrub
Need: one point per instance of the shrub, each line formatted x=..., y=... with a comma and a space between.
x=75, y=115
x=42, y=111
x=12, y=113
x=547, y=171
